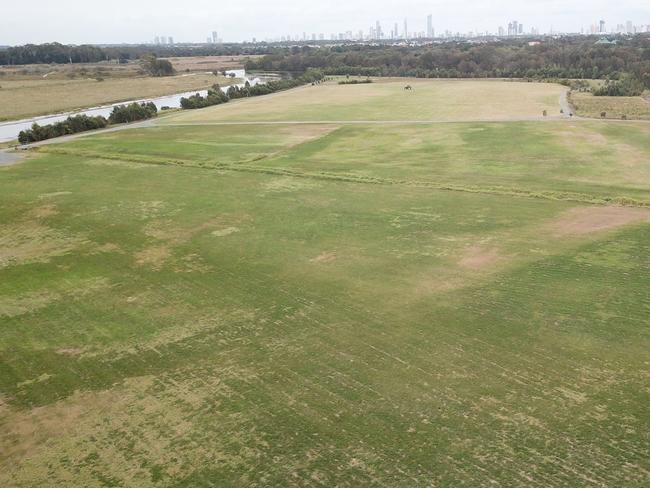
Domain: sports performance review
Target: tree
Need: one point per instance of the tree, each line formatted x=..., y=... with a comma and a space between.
x=157, y=67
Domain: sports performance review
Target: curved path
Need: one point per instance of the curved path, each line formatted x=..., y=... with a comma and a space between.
x=565, y=105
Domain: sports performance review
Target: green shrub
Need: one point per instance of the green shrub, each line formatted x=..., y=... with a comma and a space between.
x=72, y=125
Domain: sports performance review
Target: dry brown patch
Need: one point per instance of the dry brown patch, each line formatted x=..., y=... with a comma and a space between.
x=171, y=235
x=32, y=242
x=479, y=257
x=154, y=256
x=14, y=306
x=70, y=351
x=150, y=414
x=589, y=220
x=192, y=263
x=108, y=247
x=44, y=211
x=225, y=231
x=582, y=135
x=54, y=194
x=326, y=257
x=299, y=133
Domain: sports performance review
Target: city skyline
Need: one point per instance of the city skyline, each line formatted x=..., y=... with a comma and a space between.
x=248, y=19
x=376, y=32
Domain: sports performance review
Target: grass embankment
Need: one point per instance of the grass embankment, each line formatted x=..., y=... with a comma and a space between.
x=231, y=320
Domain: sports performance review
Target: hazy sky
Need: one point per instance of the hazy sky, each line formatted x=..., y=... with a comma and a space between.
x=114, y=21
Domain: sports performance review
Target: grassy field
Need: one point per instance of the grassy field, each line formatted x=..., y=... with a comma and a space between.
x=587, y=105
x=328, y=304
x=210, y=63
x=26, y=98
x=111, y=69
x=429, y=100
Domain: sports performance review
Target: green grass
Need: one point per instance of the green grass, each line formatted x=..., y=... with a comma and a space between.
x=298, y=305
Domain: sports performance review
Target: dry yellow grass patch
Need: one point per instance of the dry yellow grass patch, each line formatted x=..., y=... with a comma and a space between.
x=386, y=100
x=169, y=235
x=210, y=63
x=325, y=257
x=19, y=99
x=16, y=305
x=33, y=242
x=155, y=422
x=591, y=220
x=479, y=257
x=587, y=105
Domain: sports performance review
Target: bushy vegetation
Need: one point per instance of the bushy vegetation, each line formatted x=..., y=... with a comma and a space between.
x=627, y=86
x=577, y=85
x=563, y=58
x=133, y=112
x=81, y=123
x=216, y=96
x=72, y=125
x=157, y=67
x=355, y=82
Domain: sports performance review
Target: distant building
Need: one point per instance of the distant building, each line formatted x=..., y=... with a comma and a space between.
x=405, y=33
x=215, y=37
x=601, y=26
x=430, y=32
x=170, y=41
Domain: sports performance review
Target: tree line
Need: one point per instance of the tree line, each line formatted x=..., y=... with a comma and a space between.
x=82, y=123
x=553, y=58
x=216, y=96
x=57, y=53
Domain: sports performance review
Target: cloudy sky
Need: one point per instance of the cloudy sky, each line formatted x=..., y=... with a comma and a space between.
x=129, y=21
